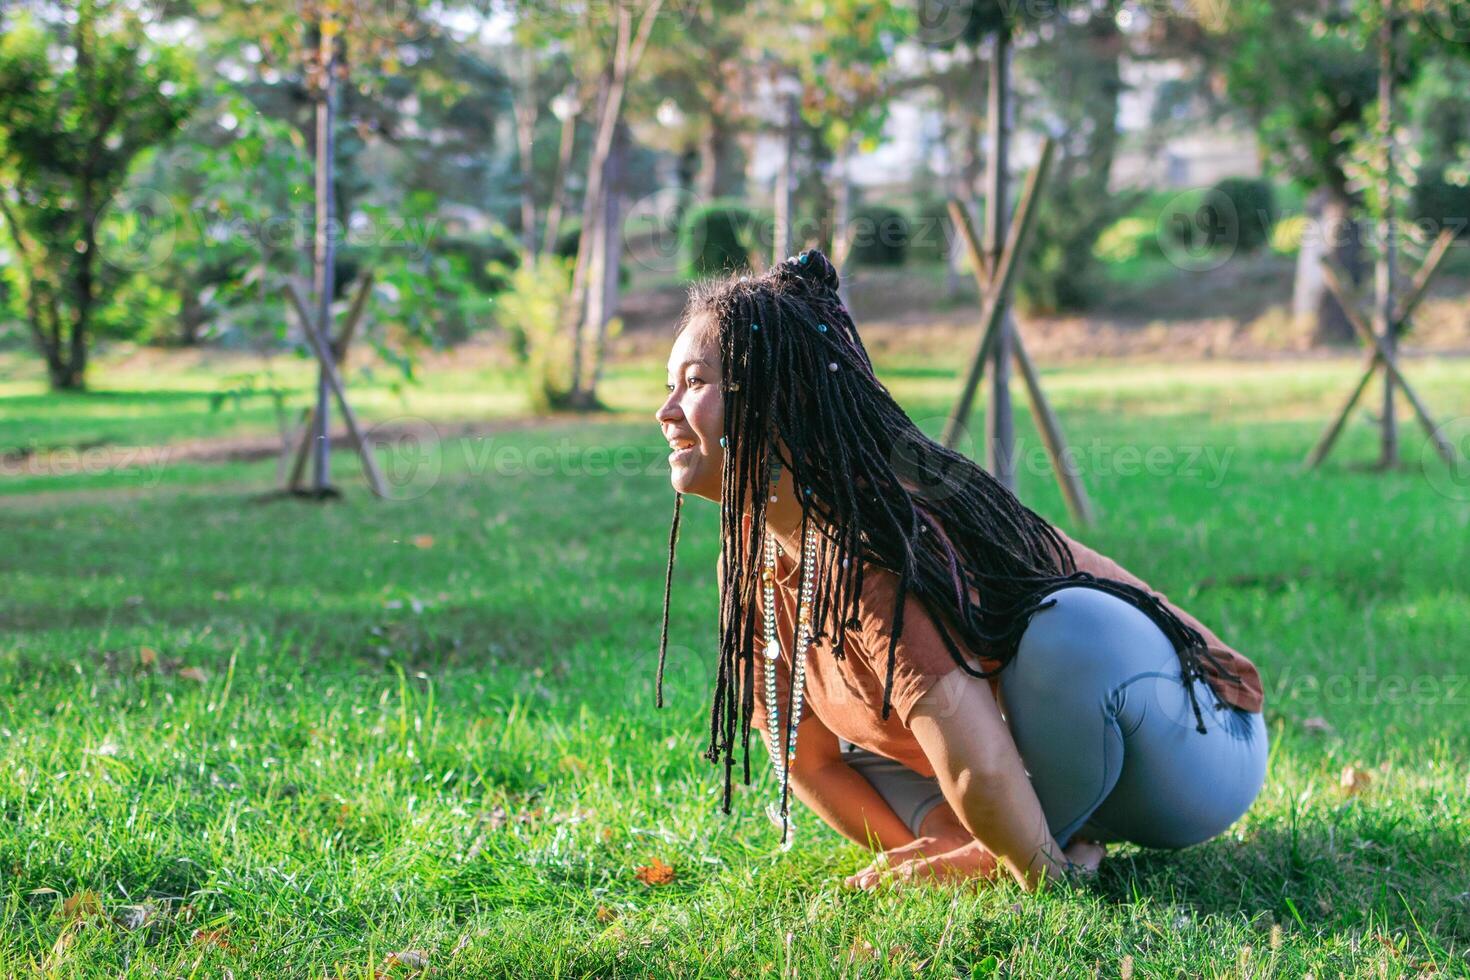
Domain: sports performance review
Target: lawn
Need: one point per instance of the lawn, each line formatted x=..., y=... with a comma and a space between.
x=274, y=738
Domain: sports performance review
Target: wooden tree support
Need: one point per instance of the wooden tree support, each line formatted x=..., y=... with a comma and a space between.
x=300, y=445
x=323, y=353
x=995, y=316
x=1381, y=349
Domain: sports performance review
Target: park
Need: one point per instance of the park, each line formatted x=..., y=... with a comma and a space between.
x=334, y=337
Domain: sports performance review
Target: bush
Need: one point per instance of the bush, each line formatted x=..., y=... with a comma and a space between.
x=931, y=232
x=1440, y=204
x=880, y=236
x=571, y=237
x=1246, y=210
x=1128, y=239
x=529, y=310
x=1060, y=268
x=716, y=239
x=1286, y=235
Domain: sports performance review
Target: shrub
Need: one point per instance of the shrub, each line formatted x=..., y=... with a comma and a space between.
x=1127, y=239
x=1252, y=203
x=1440, y=204
x=880, y=236
x=931, y=232
x=530, y=310
x=716, y=239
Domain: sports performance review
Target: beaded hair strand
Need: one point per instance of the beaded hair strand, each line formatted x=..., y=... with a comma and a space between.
x=800, y=388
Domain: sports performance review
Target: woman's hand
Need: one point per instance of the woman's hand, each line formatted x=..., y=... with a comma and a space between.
x=927, y=861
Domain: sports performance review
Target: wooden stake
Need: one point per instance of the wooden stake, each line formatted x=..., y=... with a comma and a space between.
x=998, y=286
x=334, y=381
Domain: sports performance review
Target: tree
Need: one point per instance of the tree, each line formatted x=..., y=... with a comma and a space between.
x=1305, y=77
x=84, y=91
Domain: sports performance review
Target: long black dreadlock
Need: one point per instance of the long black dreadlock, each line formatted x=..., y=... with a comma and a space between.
x=798, y=378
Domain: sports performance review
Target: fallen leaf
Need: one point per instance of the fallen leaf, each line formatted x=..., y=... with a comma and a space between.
x=60, y=947
x=133, y=917
x=656, y=873
x=461, y=946
x=1317, y=724
x=81, y=905
x=1354, y=780
x=412, y=959
x=861, y=951
x=147, y=656
x=213, y=937
x=605, y=914
x=423, y=541
x=195, y=674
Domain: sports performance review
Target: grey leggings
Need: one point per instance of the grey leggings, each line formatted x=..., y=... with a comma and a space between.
x=1106, y=732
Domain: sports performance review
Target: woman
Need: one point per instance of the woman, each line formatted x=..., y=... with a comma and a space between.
x=975, y=692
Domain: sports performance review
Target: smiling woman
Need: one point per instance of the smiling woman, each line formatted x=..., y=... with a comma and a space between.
x=1107, y=713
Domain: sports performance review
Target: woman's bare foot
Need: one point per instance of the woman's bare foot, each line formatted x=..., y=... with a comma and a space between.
x=1086, y=854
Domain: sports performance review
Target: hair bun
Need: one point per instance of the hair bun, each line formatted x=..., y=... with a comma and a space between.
x=813, y=267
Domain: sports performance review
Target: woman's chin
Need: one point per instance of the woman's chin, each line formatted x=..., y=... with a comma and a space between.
x=686, y=482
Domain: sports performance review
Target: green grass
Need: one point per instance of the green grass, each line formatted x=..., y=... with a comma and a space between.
x=448, y=745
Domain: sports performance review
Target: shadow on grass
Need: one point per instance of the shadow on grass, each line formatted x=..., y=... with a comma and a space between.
x=1381, y=874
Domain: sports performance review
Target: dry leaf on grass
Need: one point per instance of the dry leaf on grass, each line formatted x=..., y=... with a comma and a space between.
x=213, y=937
x=59, y=949
x=1354, y=780
x=605, y=914
x=655, y=873
x=423, y=541
x=134, y=917
x=412, y=960
x=82, y=905
x=1317, y=723
x=195, y=674
x=147, y=657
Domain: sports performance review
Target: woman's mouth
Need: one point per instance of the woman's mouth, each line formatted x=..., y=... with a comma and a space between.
x=682, y=452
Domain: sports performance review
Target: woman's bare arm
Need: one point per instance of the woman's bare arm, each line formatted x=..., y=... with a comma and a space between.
x=980, y=771
x=838, y=793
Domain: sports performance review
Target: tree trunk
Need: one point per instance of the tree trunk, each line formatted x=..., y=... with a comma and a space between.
x=717, y=150
x=525, y=143
x=559, y=180
x=1343, y=236
x=999, y=422
x=324, y=259
x=842, y=220
x=192, y=315
x=785, y=177
x=611, y=255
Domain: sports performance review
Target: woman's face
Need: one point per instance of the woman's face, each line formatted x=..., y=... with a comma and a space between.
x=693, y=415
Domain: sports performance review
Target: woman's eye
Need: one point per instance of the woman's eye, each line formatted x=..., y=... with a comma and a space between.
x=694, y=381
x=668, y=386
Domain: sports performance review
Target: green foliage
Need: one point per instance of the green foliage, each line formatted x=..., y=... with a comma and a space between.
x=931, y=232
x=717, y=238
x=529, y=311
x=1060, y=271
x=1127, y=240
x=880, y=236
x=1253, y=202
x=82, y=97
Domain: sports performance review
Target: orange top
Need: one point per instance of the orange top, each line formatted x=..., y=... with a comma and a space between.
x=847, y=695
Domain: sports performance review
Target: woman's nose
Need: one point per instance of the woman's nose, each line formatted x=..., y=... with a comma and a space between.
x=668, y=410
